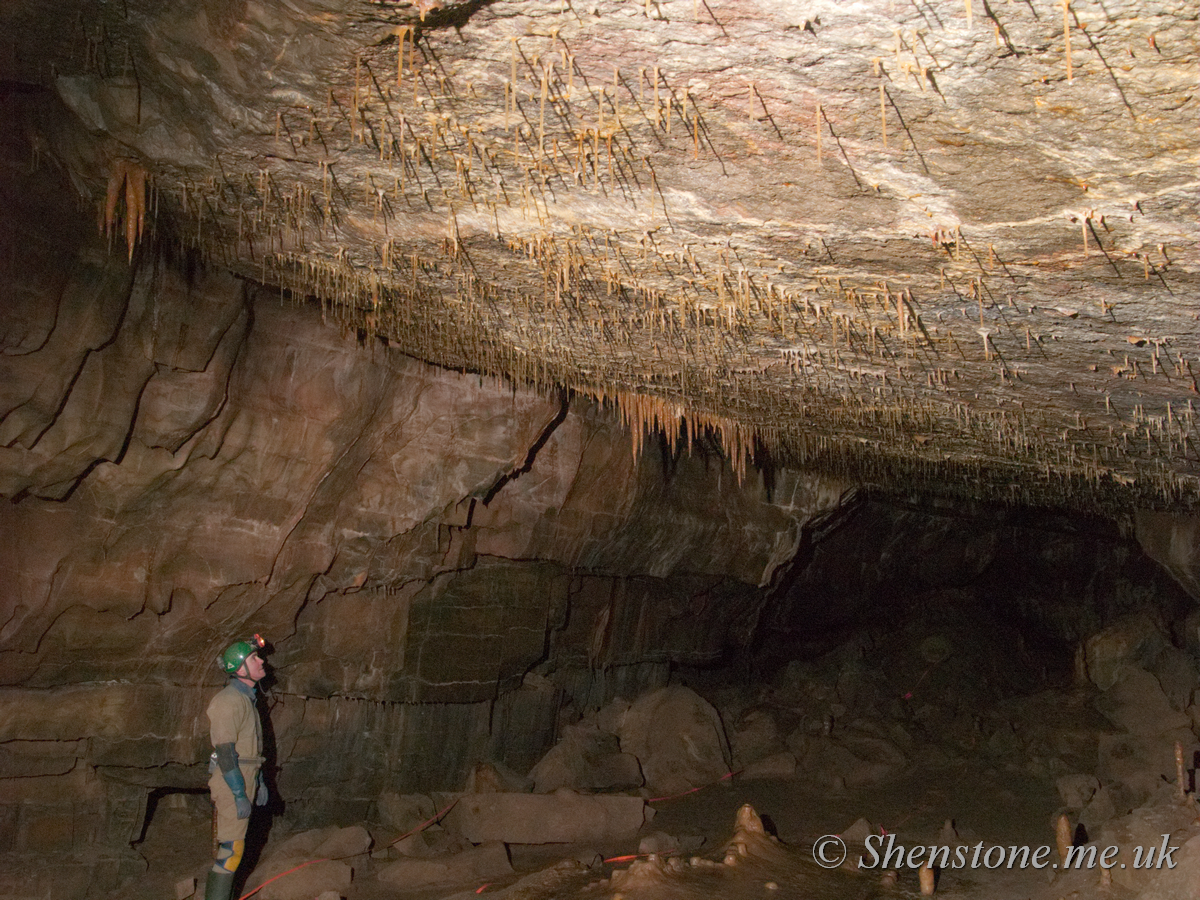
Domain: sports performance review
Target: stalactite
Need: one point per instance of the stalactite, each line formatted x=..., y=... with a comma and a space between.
x=127, y=181
x=621, y=321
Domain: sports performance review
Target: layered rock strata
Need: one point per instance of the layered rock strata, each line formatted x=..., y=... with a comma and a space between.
x=188, y=459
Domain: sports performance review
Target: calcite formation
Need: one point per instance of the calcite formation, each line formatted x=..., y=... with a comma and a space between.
x=920, y=243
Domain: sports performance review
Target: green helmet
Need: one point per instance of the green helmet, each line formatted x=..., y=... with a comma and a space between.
x=235, y=654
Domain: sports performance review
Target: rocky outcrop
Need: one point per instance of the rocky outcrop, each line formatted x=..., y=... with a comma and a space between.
x=904, y=239
x=445, y=562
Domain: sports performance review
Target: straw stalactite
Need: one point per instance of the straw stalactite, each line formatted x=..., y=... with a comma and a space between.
x=538, y=233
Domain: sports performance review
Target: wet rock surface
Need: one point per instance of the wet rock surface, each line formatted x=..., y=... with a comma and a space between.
x=323, y=490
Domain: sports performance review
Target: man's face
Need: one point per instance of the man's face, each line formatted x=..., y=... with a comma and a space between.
x=254, y=668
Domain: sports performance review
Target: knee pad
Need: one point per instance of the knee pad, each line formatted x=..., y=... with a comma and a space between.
x=229, y=856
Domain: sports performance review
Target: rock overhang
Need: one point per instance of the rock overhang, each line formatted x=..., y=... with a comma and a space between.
x=914, y=245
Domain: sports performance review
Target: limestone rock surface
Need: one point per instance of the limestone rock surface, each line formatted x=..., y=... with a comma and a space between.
x=910, y=241
x=488, y=860
x=678, y=738
x=562, y=817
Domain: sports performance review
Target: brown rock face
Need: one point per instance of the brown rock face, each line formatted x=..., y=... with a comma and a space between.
x=188, y=460
x=679, y=739
x=547, y=818
x=899, y=243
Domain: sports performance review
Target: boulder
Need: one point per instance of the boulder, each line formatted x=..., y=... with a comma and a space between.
x=393, y=845
x=494, y=778
x=678, y=738
x=1141, y=763
x=489, y=860
x=857, y=833
x=1076, y=790
x=1135, y=702
x=1181, y=882
x=1145, y=828
x=302, y=884
x=563, y=817
x=847, y=759
x=344, y=843
x=1135, y=639
x=1177, y=673
x=322, y=852
x=403, y=812
x=610, y=716
x=586, y=759
x=558, y=880
x=1101, y=808
x=754, y=737
x=777, y=765
x=855, y=836
x=302, y=845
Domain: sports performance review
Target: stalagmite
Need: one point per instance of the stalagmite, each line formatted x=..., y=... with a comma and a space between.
x=818, y=127
x=883, y=112
x=925, y=877
x=667, y=305
x=1063, y=837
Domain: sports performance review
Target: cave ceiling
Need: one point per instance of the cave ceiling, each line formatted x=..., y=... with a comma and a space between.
x=925, y=242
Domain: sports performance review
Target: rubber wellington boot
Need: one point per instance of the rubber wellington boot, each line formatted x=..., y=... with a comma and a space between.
x=220, y=886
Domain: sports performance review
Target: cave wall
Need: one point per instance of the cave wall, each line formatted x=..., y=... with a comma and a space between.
x=188, y=458
x=443, y=562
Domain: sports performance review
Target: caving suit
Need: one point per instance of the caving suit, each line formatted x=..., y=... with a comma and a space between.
x=233, y=719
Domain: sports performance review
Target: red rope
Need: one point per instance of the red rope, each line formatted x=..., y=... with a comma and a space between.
x=724, y=777
x=424, y=824
x=632, y=856
x=429, y=822
x=420, y=827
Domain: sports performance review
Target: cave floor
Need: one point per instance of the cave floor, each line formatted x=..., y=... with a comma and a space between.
x=985, y=804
